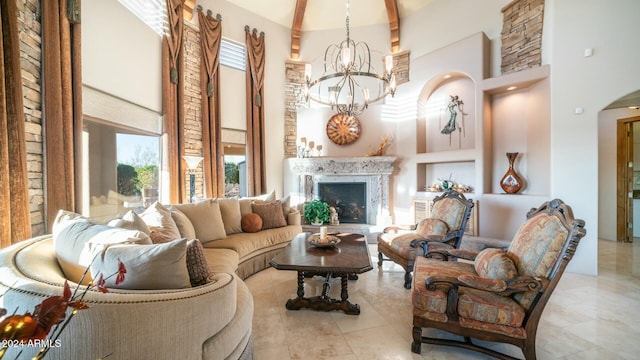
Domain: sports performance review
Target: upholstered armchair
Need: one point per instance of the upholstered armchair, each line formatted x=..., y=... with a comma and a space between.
x=496, y=295
x=444, y=229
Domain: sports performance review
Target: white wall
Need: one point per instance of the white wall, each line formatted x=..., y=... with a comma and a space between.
x=591, y=83
x=121, y=55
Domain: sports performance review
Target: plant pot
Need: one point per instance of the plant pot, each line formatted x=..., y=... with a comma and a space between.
x=317, y=222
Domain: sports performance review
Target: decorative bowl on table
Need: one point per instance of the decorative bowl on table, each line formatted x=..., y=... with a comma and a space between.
x=330, y=241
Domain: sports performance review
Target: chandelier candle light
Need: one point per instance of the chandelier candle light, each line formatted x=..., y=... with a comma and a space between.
x=349, y=79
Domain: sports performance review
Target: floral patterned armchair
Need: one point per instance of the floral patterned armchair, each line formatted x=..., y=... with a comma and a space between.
x=500, y=296
x=444, y=229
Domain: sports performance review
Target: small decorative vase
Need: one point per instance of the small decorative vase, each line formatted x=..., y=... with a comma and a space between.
x=511, y=182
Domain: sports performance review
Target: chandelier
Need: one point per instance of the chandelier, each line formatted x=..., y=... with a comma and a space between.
x=349, y=82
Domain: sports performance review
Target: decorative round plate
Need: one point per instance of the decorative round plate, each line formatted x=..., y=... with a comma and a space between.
x=330, y=242
x=343, y=129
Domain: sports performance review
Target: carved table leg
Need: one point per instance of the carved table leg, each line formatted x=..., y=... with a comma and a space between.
x=295, y=304
x=324, y=302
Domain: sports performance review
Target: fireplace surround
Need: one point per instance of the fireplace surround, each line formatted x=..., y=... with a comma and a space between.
x=372, y=171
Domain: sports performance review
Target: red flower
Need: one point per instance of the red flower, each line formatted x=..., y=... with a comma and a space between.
x=121, y=271
x=101, y=283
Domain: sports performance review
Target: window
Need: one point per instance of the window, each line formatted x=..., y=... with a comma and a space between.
x=233, y=54
x=121, y=155
x=151, y=12
x=120, y=169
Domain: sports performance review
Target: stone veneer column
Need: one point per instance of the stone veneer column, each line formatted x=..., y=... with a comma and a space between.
x=29, y=21
x=401, y=62
x=192, y=103
x=522, y=35
x=293, y=98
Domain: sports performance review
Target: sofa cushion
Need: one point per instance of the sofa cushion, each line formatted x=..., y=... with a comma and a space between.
x=206, y=219
x=131, y=221
x=197, y=263
x=158, y=217
x=248, y=244
x=495, y=264
x=231, y=217
x=149, y=267
x=251, y=223
x=184, y=224
x=221, y=260
x=76, y=241
x=271, y=214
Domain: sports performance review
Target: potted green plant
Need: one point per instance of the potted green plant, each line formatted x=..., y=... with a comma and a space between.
x=316, y=212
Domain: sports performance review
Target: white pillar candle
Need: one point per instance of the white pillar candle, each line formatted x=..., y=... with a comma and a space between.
x=323, y=232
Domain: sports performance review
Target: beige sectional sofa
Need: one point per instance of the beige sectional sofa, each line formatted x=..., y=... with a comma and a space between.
x=210, y=321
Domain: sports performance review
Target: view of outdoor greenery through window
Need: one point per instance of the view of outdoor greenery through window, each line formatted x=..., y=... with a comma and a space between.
x=138, y=166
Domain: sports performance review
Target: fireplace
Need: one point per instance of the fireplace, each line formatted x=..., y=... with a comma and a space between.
x=370, y=174
x=348, y=198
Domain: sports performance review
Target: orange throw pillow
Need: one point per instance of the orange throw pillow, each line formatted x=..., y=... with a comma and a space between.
x=251, y=223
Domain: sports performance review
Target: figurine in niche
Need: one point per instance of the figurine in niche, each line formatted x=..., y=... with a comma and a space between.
x=454, y=103
x=333, y=216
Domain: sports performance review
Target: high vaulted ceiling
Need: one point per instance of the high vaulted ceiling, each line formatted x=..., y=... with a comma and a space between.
x=309, y=15
x=328, y=14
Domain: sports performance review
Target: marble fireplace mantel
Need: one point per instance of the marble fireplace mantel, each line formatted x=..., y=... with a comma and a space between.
x=373, y=170
x=364, y=165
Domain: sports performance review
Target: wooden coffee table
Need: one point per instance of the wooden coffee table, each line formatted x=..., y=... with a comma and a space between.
x=347, y=259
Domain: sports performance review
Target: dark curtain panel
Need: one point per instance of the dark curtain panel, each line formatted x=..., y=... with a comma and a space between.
x=256, y=177
x=62, y=103
x=210, y=37
x=15, y=224
x=173, y=100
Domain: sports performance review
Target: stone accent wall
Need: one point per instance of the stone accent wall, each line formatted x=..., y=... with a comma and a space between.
x=401, y=66
x=522, y=35
x=293, y=98
x=192, y=103
x=29, y=21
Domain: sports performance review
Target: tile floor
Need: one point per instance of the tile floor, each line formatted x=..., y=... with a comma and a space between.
x=587, y=317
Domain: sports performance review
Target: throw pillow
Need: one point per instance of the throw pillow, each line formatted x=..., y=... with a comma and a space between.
x=131, y=221
x=158, y=237
x=197, y=263
x=76, y=241
x=251, y=223
x=432, y=226
x=495, y=264
x=245, y=202
x=184, y=224
x=206, y=219
x=271, y=214
x=230, y=210
x=286, y=205
x=158, y=217
x=149, y=267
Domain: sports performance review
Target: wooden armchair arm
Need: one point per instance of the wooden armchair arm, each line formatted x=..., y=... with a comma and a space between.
x=463, y=254
x=504, y=287
x=396, y=228
x=442, y=239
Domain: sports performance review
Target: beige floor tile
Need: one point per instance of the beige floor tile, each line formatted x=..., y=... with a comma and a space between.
x=587, y=317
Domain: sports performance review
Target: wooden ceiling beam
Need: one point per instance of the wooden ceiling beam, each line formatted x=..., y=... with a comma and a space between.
x=296, y=28
x=187, y=9
x=394, y=24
